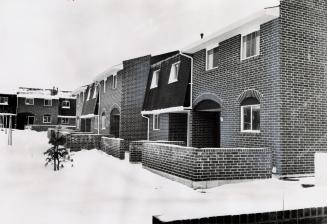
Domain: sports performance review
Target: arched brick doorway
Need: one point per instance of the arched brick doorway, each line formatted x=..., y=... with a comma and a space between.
x=115, y=122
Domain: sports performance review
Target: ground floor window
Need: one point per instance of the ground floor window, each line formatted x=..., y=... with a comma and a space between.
x=103, y=120
x=156, y=122
x=250, y=115
x=46, y=119
x=64, y=120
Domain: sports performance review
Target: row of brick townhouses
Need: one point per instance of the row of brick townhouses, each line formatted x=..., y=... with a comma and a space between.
x=259, y=83
x=38, y=108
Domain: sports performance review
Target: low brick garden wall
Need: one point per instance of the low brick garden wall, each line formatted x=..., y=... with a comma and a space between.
x=136, y=147
x=205, y=167
x=79, y=141
x=113, y=146
x=300, y=216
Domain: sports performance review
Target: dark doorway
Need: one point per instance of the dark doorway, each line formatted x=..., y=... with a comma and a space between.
x=24, y=119
x=86, y=125
x=115, y=122
x=206, y=123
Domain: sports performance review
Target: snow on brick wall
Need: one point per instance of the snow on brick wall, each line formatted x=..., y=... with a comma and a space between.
x=113, y=147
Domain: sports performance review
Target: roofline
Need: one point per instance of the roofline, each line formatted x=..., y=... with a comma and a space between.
x=109, y=72
x=239, y=27
x=165, y=110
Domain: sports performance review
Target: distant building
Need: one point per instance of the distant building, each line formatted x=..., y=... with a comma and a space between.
x=8, y=106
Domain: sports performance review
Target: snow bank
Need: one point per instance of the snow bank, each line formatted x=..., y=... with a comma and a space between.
x=321, y=168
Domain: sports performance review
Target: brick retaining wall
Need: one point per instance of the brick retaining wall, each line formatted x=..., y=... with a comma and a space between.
x=300, y=216
x=135, y=148
x=79, y=141
x=207, y=167
x=113, y=146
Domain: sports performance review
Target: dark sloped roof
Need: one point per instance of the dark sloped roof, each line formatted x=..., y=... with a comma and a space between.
x=89, y=106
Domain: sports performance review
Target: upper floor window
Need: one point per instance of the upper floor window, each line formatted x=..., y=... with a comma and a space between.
x=47, y=102
x=155, y=79
x=95, y=92
x=174, y=72
x=29, y=101
x=47, y=119
x=3, y=100
x=156, y=122
x=88, y=94
x=64, y=120
x=66, y=104
x=114, y=81
x=250, y=115
x=104, y=85
x=212, y=58
x=250, y=45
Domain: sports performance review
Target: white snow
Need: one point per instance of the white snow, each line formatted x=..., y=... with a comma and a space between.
x=321, y=168
x=102, y=189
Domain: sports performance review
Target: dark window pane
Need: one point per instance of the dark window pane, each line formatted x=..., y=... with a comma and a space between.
x=255, y=119
x=247, y=118
x=215, y=57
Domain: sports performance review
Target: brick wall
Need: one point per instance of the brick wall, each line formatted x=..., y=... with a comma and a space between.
x=163, y=133
x=134, y=80
x=303, y=48
x=204, y=164
x=300, y=216
x=232, y=78
x=136, y=148
x=79, y=141
x=113, y=147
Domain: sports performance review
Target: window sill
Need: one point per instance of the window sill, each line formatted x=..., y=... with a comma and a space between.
x=5, y=104
x=156, y=129
x=248, y=58
x=66, y=107
x=211, y=69
x=172, y=81
x=153, y=87
x=250, y=132
x=46, y=122
x=29, y=104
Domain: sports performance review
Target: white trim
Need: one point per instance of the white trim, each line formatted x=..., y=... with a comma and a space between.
x=172, y=70
x=255, y=106
x=62, y=116
x=213, y=53
x=165, y=110
x=87, y=116
x=104, y=84
x=155, y=85
x=65, y=107
x=44, y=116
x=114, y=81
x=29, y=99
x=95, y=91
x=7, y=114
x=240, y=27
x=154, y=118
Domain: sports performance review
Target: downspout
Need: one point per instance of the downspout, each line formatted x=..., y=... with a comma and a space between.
x=148, y=132
x=189, y=108
x=99, y=90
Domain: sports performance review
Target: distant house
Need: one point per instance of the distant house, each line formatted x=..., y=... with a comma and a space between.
x=80, y=96
x=40, y=109
x=8, y=106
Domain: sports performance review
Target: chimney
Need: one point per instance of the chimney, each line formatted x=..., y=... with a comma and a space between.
x=201, y=35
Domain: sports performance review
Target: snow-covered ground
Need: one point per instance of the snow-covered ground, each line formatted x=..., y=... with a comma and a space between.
x=102, y=189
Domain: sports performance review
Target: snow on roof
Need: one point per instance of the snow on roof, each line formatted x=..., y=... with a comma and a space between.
x=79, y=90
x=240, y=27
x=109, y=72
x=44, y=93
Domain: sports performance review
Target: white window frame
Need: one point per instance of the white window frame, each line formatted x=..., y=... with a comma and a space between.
x=155, y=82
x=64, y=119
x=173, y=77
x=65, y=107
x=104, y=85
x=254, y=106
x=5, y=100
x=26, y=103
x=46, y=116
x=243, y=48
x=46, y=105
x=114, y=81
x=95, y=92
x=156, y=120
x=88, y=94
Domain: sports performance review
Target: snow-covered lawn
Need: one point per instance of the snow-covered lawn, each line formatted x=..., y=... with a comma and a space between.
x=103, y=189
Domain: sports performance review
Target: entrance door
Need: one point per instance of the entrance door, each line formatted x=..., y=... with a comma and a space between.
x=115, y=122
x=30, y=120
x=88, y=125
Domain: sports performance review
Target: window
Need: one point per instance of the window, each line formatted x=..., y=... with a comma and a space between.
x=155, y=79
x=104, y=85
x=174, y=72
x=156, y=122
x=3, y=100
x=29, y=101
x=103, y=120
x=30, y=120
x=95, y=92
x=212, y=58
x=250, y=45
x=46, y=119
x=64, y=120
x=250, y=115
x=66, y=104
x=114, y=81
x=88, y=94
x=47, y=102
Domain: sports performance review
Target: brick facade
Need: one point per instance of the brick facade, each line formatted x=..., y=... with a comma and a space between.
x=205, y=164
x=113, y=146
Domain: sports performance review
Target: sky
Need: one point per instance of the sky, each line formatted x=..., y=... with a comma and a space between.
x=66, y=43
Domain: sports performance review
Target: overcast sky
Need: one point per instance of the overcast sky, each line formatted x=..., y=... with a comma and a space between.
x=65, y=43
